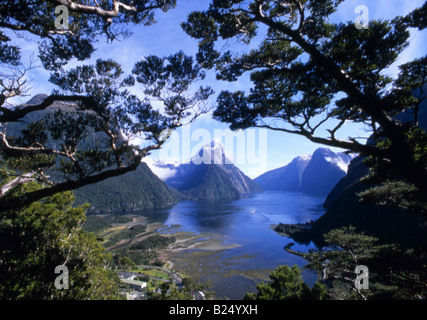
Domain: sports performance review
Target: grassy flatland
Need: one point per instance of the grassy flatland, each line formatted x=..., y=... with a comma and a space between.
x=156, y=273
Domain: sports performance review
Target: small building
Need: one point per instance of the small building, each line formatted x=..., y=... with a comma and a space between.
x=134, y=284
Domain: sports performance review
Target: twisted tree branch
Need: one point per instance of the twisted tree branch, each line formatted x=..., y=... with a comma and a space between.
x=19, y=113
x=82, y=8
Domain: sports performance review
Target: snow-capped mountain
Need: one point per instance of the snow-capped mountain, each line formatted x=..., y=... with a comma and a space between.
x=287, y=178
x=314, y=174
x=209, y=174
x=324, y=171
x=212, y=153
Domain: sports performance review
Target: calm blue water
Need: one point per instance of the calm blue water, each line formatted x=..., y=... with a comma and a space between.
x=233, y=222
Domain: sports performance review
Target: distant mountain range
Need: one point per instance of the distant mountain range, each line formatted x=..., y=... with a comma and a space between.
x=314, y=174
x=287, y=178
x=208, y=175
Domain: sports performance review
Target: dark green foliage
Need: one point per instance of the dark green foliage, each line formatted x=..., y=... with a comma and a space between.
x=144, y=278
x=287, y=284
x=96, y=223
x=86, y=25
x=9, y=54
x=138, y=257
x=82, y=133
x=417, y=19
x=398, y=194
x=187, y=291
x=294, y=231
x=158, y=263
x=394, y=273
x=174, y=75
x=38, y=238
x=141, y=251
x=125, y=263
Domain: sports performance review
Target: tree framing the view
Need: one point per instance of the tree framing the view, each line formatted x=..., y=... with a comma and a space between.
x=99, y=104
x=309, y=73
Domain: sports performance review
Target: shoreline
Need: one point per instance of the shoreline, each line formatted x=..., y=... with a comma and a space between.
x=202, y=257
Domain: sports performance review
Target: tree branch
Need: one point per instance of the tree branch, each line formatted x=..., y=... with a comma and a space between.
x=400, y=152
x=30, y=197
x=27, y=177
x=25, y=28
x=107, y=14
x=352, y=146
x=17, y=114
x=372, y=107
x=334, y=130
x=40, y=148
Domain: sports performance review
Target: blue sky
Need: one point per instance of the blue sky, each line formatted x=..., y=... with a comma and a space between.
x=166, y=37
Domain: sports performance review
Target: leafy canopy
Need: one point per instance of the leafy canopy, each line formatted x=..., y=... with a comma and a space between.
x=88, y=21
x=311, y=76
x=46, y=234
x=83, y=132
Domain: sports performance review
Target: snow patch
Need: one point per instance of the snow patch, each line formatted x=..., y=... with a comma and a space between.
x=341, y=161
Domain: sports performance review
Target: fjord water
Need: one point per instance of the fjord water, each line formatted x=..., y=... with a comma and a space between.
x=244, y=227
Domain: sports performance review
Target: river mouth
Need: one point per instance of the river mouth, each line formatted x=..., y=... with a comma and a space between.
x=231, y=245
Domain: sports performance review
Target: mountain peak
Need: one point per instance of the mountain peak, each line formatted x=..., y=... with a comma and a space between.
x=315, y=174
x=304, y=157
x=216, y=143
x=323, y=152
x=196, y=179
x=212, y=153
